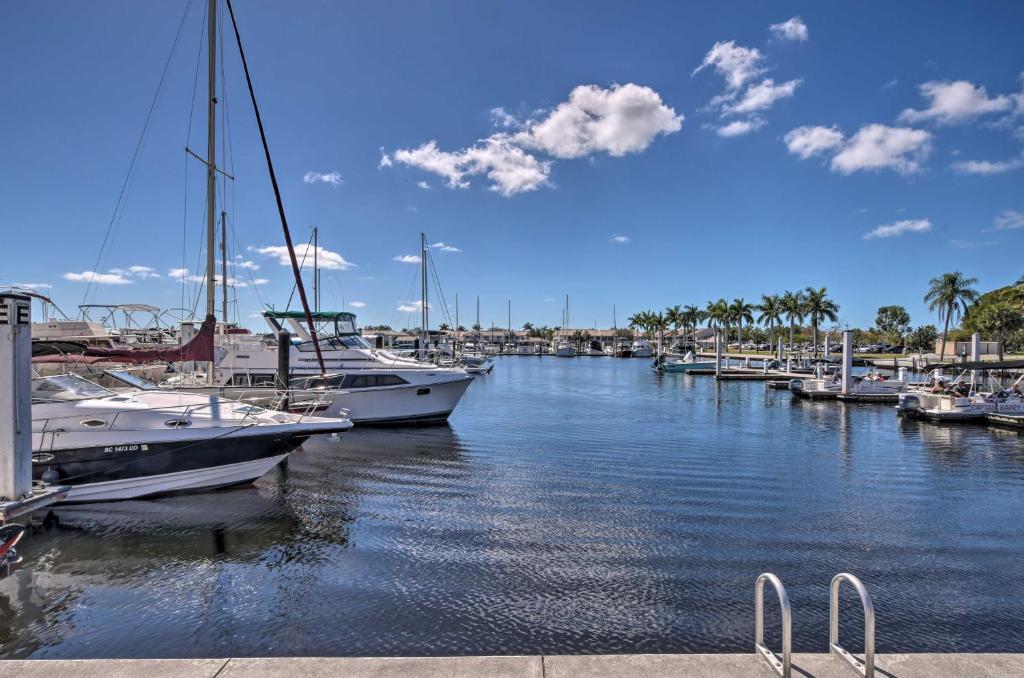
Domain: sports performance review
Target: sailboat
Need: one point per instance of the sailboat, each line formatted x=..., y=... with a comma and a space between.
x=564, y=349
x=137, y=442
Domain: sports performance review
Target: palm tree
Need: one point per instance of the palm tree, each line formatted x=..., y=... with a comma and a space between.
x=741, y=312
x=692, y=316
x=443, y=327
x=717, y=314
x=659, y=324
x=674, y=316
x=771, y=314
x=793, y=309
x=460, y=328
x=637, y=320
x=950, y=294
x=818, y=307
x=528, y=328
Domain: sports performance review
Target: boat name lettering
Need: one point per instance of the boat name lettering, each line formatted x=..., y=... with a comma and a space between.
x=125, y=448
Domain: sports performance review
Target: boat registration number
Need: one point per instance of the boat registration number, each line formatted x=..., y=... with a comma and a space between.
x=125, y=448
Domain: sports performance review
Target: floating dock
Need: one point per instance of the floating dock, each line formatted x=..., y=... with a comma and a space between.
x=1003, y=419
x=548, y=666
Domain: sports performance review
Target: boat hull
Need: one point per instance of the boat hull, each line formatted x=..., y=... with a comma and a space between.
x=134, y=470
x=686, y=367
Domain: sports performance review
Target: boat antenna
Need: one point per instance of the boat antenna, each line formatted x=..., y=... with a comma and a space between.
x=277, y=195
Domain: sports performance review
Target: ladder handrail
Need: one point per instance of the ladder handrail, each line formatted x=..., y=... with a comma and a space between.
x=867, y=668
x=784, y=667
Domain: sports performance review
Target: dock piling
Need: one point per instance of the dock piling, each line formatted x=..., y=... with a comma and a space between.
x=847, y=361
x=15, y=396
x=718, y=354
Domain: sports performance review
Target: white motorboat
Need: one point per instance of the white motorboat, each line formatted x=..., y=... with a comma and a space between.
x=682, y=363
x=565, y=350
x=594, y=348
x=868, y=384
x=641, y=348
x=134, y=443
x=379, y=386
x=965, y=398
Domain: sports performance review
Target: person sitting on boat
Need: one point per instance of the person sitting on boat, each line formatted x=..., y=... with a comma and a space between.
x=937, y=386
x=1015, y=390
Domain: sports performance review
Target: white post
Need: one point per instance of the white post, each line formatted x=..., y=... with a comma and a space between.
x=975, y=355
x=780, y=351
x=764, y=366
x=847, y=361
x=15, y=396
x=828, y=346
x=746, y=362
x=901, y=375
x=718, y=354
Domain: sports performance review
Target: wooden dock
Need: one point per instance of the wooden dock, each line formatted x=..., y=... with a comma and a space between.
x=989, y=665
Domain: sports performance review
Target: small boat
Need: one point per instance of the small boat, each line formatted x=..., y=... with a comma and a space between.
x=594, y=348
x=684, y=363
x=641, y=348
x=565, y=350
x=135, y=443
x=963, y=400
x=870, y=384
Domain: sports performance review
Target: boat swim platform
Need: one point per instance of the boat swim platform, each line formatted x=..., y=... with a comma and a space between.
x=549, y=666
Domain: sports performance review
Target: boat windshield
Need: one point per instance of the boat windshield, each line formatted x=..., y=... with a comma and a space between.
x=338, y=343
x=130, y=379
x=67, y=387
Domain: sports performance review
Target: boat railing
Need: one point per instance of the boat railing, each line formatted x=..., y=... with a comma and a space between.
x=180, y=416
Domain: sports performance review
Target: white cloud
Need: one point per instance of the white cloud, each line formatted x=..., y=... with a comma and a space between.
x=971, y=244
x=445, y=247
x=143, y=272
x=876, y=147
x=617, y=120
x=548, y=300
x=242, y=262
x=332, y=178
x=955, y=102
x=740, y=127
x=735, y=63
x=899, y=228
x=34, y=286
x=385, y=159
x=1009, y=220
x=620, y=239
x=357, y=304
x=183, y=275
x=98, y=278
x=889, y=85
x=504, y=119
x=304, y=255
x=792, y=29
x=412, y=306
x=804, y=142
x=761, y=96
x=408, y=258
x=424, y=185
x=987, y=167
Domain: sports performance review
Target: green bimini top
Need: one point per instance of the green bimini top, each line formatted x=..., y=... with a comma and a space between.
x=316, y=315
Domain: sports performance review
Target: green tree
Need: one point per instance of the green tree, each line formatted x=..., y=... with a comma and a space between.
x=793, y=309
x=997, y=321
x=818, y=307
x=893, y=321
x=692, y=317
x=741, y=312
x=443, y=328
x=717, y=315
x=771, y=314
x=674, y=317
x=950, y=295
x=923, y=339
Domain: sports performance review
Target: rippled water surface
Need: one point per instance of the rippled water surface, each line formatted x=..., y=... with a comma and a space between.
x=572, y=505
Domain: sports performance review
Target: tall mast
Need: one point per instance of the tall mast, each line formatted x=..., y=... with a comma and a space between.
x=478, y=317
x=224, y=265
x=423, y=289
x=211, y=162
x=316, y=271
x=567, y=311
x=456, y=313
x=510, y=321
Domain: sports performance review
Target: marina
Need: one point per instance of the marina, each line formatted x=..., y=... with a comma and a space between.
x=256, y=436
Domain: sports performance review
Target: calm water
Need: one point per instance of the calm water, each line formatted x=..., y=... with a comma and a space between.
x=583, y=505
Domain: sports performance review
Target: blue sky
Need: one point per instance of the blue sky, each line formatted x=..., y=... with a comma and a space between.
x=635, y=154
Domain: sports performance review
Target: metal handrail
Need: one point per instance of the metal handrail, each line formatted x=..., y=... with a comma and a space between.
x=867, y=667
x=781, y=667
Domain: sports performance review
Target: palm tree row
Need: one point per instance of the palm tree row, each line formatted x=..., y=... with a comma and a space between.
x=812, y=304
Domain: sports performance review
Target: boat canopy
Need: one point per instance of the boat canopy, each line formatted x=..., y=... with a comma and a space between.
x=328, y=323
x=980, y=365
x=317, y=315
